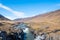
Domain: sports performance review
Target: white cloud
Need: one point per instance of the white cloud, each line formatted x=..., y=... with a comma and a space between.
x=16, y=13
x=9, y=17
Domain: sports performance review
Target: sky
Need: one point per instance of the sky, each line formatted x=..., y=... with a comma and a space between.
x=14, y=9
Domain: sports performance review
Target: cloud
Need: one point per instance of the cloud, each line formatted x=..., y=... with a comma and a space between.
x=16, y=13
x=9, y=17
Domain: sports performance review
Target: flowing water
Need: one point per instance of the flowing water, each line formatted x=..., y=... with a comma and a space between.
x=29, y=35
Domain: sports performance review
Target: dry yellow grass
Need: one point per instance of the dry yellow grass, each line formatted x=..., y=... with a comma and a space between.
x=47, y=22
x=6, y=25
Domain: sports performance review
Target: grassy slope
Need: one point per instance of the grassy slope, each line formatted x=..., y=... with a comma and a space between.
x=6, y=25
x=47, y=22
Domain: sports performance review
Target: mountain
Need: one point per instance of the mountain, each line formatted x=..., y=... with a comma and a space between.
x=49, y=15
x=3, y=18
x=23, y=19
x=48, y=22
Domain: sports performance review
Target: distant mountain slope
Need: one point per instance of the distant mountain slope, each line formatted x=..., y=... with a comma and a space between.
x=50, y=16
x=46, y=17
x=3, y=18
x=23, y=19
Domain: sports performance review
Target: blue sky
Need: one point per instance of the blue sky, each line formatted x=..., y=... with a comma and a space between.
x=13, y=9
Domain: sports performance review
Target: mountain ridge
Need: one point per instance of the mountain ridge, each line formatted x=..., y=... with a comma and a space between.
x=3, y=18
x=49, y=14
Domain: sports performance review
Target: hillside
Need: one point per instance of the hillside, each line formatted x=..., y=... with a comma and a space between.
x=47, y=22
x=48, y=15
x=5, y=23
